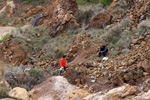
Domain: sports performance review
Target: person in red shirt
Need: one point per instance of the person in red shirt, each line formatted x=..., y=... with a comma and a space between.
x=62, y=64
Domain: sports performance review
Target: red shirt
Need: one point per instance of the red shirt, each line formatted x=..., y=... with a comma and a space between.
x=63, y=62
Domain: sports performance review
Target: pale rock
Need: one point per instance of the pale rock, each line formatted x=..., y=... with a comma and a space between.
x=7, y=99
x=144, y=96
x=114, y=94
x=19, y=93
x=145, y=73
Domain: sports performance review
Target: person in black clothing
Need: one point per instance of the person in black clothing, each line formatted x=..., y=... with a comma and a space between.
x=102, y=51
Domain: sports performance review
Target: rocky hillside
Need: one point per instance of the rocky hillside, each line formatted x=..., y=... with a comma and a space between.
x=35, y=37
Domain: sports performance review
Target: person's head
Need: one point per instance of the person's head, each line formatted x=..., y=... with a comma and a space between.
x=64, y=56
x=102, y=46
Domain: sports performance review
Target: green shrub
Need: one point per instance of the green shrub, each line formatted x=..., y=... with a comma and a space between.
x=4, y=37
x=88, y=2
x=7, y=21
x=105, y=2
x=19, y=25
x=36, y=73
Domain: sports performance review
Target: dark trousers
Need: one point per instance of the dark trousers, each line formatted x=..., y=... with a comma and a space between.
x=103, y=53
x=61, y=71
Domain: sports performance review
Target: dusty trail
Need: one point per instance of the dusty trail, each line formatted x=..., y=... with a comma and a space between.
x=5, y=30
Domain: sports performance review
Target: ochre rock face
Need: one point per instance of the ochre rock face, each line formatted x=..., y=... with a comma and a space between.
x=59, y=16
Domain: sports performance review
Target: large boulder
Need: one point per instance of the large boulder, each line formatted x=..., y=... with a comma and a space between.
x=19, y=93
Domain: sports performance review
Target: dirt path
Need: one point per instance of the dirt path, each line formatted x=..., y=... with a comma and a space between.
x=5, y=30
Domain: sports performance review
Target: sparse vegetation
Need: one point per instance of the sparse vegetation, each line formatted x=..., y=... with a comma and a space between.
x=55, y=47
x=119, y=10
x=143, y=27
x=33, y=39
x=35, y=2
x=83, y=16
x=119, y=36
x=121, y=7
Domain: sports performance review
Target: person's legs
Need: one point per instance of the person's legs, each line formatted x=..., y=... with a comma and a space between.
x=104, y=54
x=65, y=68
x=99, y=54
x=61, y=71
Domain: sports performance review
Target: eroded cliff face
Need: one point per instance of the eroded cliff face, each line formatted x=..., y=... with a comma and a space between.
x=59, y=16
